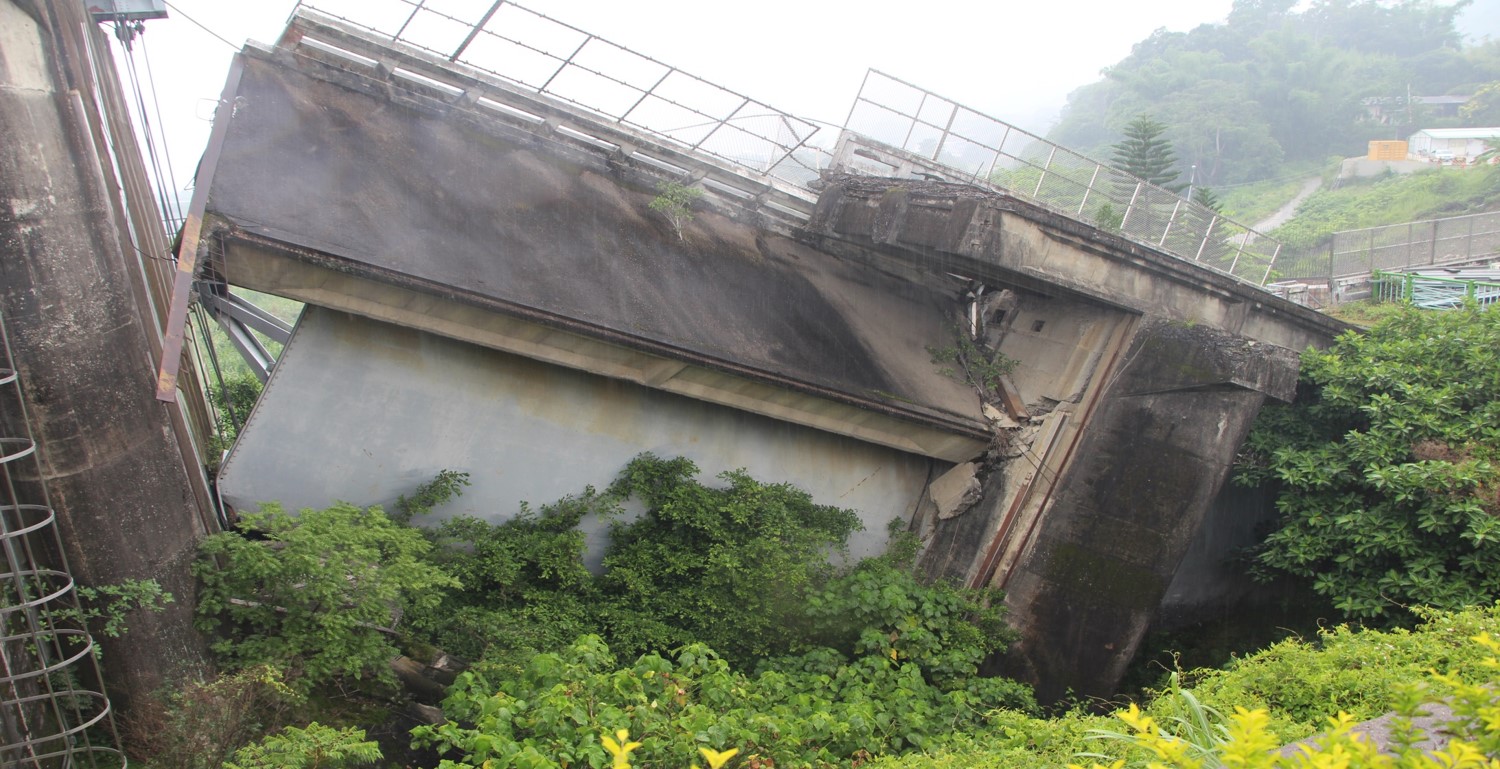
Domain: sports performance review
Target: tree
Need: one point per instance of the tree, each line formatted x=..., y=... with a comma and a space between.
x=1387, y=468
x=1484, y=107
x=1206, y=197
x=1145, y=154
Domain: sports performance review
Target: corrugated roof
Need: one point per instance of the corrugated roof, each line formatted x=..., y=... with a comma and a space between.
x=1460, y=133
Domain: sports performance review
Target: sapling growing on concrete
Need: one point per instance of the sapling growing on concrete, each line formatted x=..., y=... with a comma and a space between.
x=675, y=202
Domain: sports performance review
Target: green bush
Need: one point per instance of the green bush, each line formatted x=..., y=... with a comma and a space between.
x=315, y=593
x=1386, y=467
x=825, y=710
x=525, y=587
x=881, y=609
x=729, y=567
x=1299, y=684
x=313, y=747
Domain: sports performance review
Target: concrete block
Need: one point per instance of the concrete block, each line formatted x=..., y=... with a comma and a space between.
x=956, y=490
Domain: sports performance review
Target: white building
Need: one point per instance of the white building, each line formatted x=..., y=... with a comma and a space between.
x=1461, y=144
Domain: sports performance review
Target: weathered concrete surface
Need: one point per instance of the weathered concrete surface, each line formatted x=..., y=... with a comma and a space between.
x=1140, y=375
x=1155, y=454
x=111, y=458
x=329, y=175
x=987, y=235
x=364, y=411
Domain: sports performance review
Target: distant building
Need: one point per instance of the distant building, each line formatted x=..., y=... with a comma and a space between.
x=1451, y=144
x=1388, y=110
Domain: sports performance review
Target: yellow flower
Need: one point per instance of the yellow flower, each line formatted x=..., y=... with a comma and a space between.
x=620, y=748
x=717, y=758
x=1140, y=722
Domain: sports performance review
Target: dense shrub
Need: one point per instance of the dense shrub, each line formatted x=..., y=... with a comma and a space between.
x=729, y=567
x=1386, y=467
x=316, y=593
x=525, y=587
x=1299, y=684
x=818, y=708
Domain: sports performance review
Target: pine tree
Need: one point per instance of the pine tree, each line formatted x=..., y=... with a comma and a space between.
x=1205, y=197
x=1143, y=153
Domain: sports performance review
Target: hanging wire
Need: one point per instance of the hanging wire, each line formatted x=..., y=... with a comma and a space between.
x=203, y=340
x=176, y=200
x=147, y=133
x=200, y=25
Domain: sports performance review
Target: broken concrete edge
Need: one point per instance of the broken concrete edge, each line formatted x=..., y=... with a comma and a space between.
x=1086, y=584
x=894, y=197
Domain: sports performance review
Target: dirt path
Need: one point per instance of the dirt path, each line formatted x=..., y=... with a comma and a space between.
x=1285, y=213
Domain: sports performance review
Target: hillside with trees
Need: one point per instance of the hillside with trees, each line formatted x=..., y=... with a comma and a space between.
x=1278, y=86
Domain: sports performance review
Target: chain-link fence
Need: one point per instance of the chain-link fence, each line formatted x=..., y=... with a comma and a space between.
x=541, y=54
x=1398, y=246
x=986, y=150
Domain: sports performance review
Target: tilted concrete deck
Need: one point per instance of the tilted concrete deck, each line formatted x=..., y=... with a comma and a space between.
x=501, y=290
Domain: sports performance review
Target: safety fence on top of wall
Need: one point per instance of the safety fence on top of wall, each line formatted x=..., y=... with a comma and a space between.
x=538, y=53
x=989, y=151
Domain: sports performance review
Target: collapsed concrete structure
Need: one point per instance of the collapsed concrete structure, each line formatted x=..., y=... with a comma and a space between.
x=489, y=290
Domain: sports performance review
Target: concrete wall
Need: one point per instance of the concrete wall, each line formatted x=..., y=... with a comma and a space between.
x=71, y=290
x=362, y=411
x=1154, y=454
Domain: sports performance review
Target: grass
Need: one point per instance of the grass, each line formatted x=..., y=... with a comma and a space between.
x=1250, y=203
x=1392, y=199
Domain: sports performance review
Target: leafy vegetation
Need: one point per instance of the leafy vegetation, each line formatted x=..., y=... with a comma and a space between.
x=200, y=724
x=814, y=709
x=315, y=747
x=1280, y=82
x=1200, y=735
x=232, y=401
x=1298, y=684
x=825, y=664
x=106, y=609
x=314, y=594
x=675, y=202
x=1389, y=494
x=729, y=567
x=979, y=366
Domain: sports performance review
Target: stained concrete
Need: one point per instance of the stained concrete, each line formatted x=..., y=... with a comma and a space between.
x=1140, y=374
x=109, y=452
x=362, y=411
x=507, y=220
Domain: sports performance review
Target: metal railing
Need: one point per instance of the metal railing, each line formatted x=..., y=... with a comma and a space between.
x=986, y=150
x=529, y=49
x=525, y=48
x=1431, y=291
x=1350, y=253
